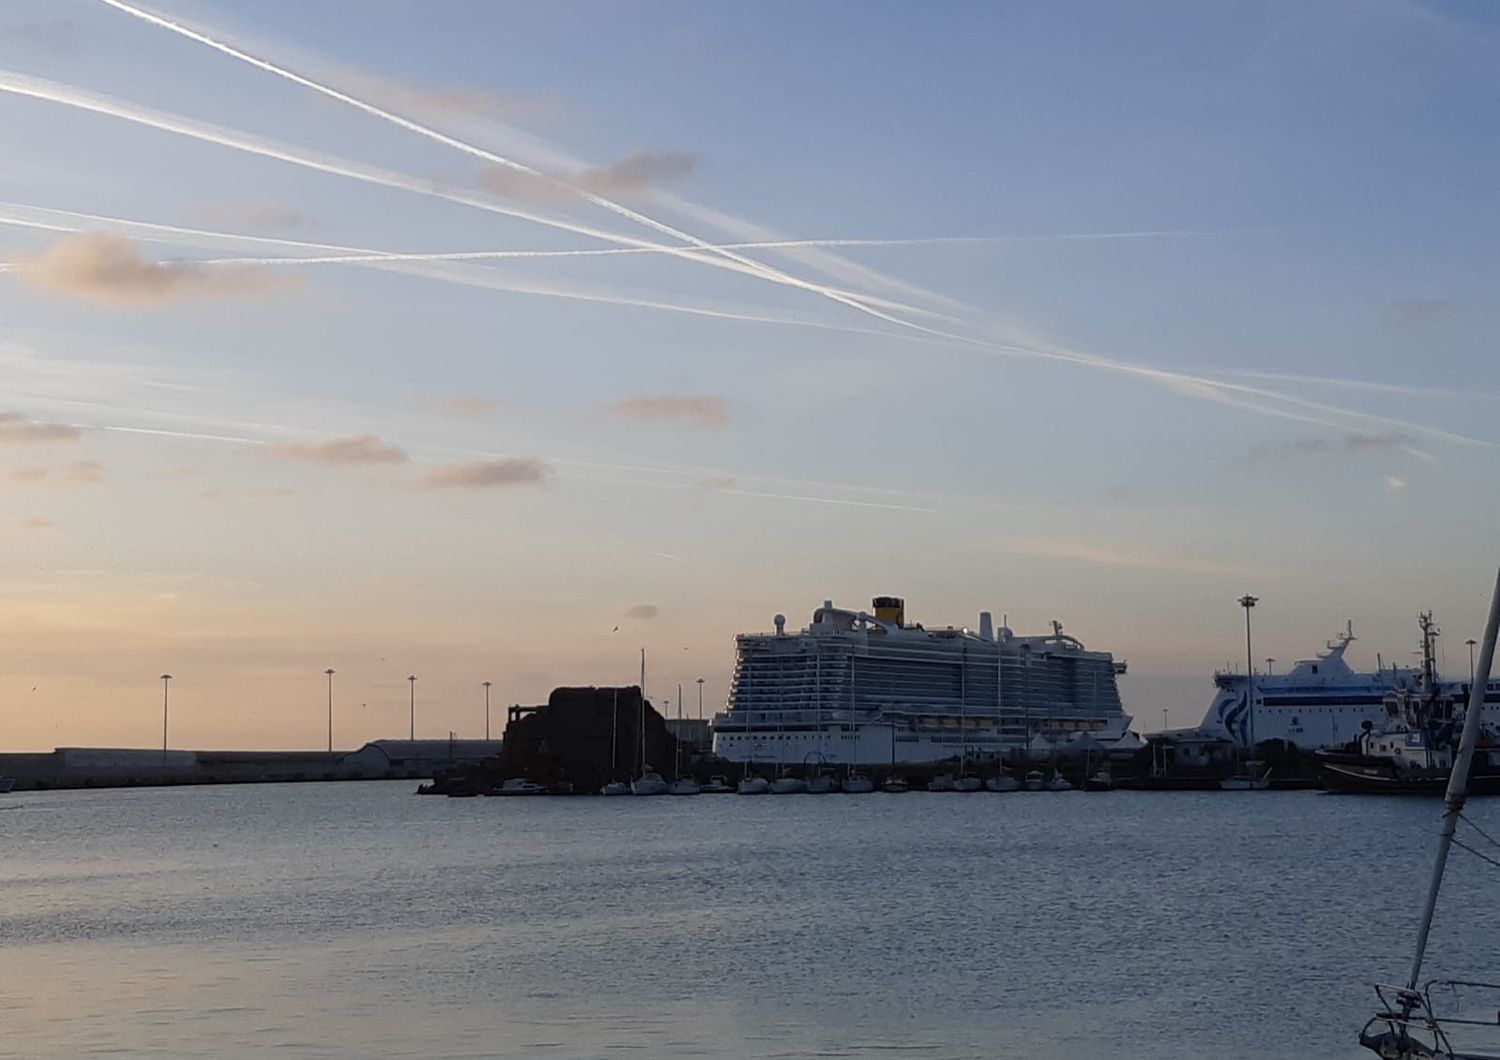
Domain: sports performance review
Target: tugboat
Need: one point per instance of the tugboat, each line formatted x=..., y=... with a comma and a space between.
x=1413, y=752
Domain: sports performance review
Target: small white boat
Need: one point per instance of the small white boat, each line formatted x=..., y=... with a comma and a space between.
x=1035, y=781
x=1002, y=782
x=788, y=786
x=967, y=784
x=717, y=785
x=615, y=787
x=684, y=786
x=648, y=783
x=753, y=786
x=822, y=784
x=1100, y=781
x=857, y=784
x=1057, y=782
x=941, y=782
x=1244, y=783
x=894, y=785
x=520, y=786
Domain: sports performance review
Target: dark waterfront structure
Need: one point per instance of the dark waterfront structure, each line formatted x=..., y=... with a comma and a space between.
x=112, y=767
x=587, y=737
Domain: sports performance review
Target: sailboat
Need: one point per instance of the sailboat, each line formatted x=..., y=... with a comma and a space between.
x=649, y=782
x=1407, y=1026
x=681, y=785
x=615, y=786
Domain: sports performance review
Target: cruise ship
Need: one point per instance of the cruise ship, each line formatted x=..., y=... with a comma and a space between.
x=1320, y=702
x=859, y=687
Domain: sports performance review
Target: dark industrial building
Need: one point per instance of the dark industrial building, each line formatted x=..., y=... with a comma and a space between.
x=588, y=737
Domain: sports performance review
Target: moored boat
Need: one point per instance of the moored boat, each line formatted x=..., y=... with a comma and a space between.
x=941, y=782
x=717, y=785
x=894, y=785
x=1035, y=781
x=822, y=784
x=967, y=784
x=1100, y=781
x=519, y=786
x=753, y=785
x=856, y=784
x=648, y=783
x=788, y=786
x=684, y=786
x=1058, y=782
x=1002, y=782
x=615, y=787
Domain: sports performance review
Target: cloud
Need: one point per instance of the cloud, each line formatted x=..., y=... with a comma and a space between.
x=453, y=100
x=108, y=268
x=630, y=177
x=36, y=523
x=259, y=214
x=643, y=611
x=1394, y=483
x=85, y=472
x=342, y=452
x=638, y=172
x=265, y=493
x=60, y=36
x=487, y=474
x=1125, y=559
x=477, y=407
x=16, y=429
x=1356, y=442
x=697, y=410
x=1417, y=312
x=90, y=472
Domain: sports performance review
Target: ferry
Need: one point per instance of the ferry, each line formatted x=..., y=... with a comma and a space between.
x=1321, y=702
x=866, y=688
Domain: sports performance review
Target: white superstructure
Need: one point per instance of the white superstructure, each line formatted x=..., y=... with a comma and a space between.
x=1321, y=702
x=862, y=688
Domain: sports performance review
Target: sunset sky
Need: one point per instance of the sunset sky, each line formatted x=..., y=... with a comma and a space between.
x=1136, y=308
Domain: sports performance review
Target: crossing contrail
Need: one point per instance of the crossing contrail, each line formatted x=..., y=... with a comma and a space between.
x=756, y=268
x=81, y=99
x=1249, y=398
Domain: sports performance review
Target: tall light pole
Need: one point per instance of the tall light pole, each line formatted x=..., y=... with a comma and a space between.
x=700, y=699
x=412, y=681
x=1247, y=602
x=1270, y=662
x=1471, y=642
x=166, y=680
x=329, y=672
x=486, y=711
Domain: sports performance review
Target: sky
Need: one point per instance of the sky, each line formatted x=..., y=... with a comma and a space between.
x=423, y=339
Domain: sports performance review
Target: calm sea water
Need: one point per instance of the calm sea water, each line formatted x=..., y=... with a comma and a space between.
x=356, y=920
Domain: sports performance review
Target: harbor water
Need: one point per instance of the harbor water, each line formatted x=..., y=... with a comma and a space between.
x=355, y=921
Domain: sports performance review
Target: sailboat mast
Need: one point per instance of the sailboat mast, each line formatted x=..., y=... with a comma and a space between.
x=677, y=744
x=614, y=737
x=1458, y=779
x=643, y=711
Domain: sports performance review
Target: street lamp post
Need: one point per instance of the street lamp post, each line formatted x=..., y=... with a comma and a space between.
x=412, y=681
x=166, y=680
x=1471, y=642
x=1247, y=602
x=330, y=672
x=700, y=699
x=486, y=711
x=1270, y=662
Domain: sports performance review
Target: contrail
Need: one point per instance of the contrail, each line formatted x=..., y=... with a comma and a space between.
x=484, y=255
x=757, y=268
x=80, y=99
x=1202, y=386
x=413, y=264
